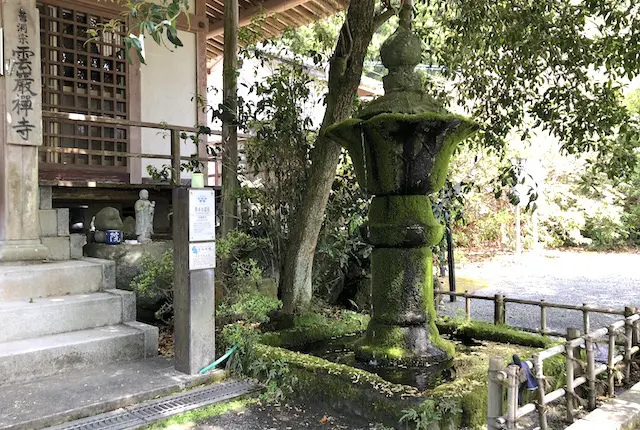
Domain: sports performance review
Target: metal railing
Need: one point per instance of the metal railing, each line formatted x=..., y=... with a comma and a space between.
x=500, y=310
x=623, y=340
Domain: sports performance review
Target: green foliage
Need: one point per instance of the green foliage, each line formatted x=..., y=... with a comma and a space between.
x=155, y=281
x=277, y=156
x=276, y=375
x=250, y=307
x=527, y=64
x=157, y=19
x=242, y=274
x=421, y=418
x=341, y=247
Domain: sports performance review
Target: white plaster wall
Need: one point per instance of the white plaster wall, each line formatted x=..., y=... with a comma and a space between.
x=254, y=71
x=168, y=87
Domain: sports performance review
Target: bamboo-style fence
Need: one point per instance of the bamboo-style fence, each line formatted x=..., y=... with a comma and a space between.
x=582, y=373
x=500, y=310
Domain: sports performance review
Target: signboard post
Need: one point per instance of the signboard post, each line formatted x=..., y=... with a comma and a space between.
x=194, y=260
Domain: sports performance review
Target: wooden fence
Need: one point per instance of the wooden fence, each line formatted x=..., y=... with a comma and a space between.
x=175, y=131
x=623, y=340
x=500, y=310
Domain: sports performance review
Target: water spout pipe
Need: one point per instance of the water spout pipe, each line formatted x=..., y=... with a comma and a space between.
x=219, y=360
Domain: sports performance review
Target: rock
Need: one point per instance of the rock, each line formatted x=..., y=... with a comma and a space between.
x=108, y=219
x=128, y=260
x=129, y=227
x=99, y=236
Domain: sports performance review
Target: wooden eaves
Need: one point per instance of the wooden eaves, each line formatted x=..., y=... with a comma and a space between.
x=279, y=15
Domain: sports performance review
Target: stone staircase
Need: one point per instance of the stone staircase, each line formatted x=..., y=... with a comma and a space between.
x=63, y=315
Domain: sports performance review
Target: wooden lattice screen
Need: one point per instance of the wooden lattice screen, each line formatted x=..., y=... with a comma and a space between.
x=86, y=78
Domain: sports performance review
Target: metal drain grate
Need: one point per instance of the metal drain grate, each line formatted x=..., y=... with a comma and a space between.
x=133, y=417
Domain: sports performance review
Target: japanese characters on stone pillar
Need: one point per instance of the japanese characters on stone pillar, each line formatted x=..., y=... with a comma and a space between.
x=22, y=69
x=20, y=132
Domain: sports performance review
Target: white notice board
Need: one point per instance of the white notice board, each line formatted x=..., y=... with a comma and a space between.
x=202, y=255
x=202, y=215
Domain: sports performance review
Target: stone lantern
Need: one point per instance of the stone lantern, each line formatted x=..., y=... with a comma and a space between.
x=400, y=145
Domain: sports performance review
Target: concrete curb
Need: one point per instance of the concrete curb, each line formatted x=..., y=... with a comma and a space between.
x=621, y=413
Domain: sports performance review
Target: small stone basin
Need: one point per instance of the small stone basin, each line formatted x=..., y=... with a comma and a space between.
x=341, y=350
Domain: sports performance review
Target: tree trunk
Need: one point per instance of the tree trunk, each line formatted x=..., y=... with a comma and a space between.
x=229, y=117
x=345, y=73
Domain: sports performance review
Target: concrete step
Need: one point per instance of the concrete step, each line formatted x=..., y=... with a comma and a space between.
x=23, y=319
x=61, y=398
x=47, y=279
x=27, y=359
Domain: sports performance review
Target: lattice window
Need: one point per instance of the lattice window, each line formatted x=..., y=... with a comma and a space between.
x=85, y=78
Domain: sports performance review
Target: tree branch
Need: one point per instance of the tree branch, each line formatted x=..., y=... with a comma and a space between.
x=383, y=16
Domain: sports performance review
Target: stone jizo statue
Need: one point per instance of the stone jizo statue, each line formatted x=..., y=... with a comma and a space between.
x=144, y=217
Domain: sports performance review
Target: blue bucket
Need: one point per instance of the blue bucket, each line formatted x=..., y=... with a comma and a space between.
x=113, y=237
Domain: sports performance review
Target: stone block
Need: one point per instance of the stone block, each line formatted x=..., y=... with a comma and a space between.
x=62, y=220
x=59, y=248
x=29, y=319
x=150, y=335
x=48, y=222
x=28, y=359
x=49, y=279
x=128, y=304
x=77, y=242
x=46, y=197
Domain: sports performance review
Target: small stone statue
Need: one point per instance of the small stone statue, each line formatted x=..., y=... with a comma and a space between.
x=144, y=217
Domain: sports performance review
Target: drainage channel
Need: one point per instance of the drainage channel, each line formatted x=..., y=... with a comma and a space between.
x=136, y=416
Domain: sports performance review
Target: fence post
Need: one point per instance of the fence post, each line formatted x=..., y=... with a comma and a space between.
x=467, y=305
x=586, y=318
x=494, y=399
x=628, y=342
x=591, y=372
x=610, y=367
x=629, y=311
x=175, y=157
x=512, y=395
x=499, y=310
x=572, y=333
x=541, y=406
x=543, y=317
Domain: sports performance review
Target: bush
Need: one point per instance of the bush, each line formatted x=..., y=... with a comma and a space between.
x=605, y=231
x=156, y=282
x=249, y=307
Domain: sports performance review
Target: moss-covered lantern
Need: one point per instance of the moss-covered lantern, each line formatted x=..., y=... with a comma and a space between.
x=401, y=145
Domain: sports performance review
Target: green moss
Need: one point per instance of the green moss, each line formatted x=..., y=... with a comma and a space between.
x=376, y=147
x=398, y=220
x=315, y=327
x=463, y=402
x=190, y=419
x=479, y=330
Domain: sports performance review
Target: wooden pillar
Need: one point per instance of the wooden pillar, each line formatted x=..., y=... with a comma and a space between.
x=499, y=310
x=20, y=133
x=229, y=117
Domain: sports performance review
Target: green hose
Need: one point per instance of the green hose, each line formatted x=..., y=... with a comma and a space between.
x=219, y=360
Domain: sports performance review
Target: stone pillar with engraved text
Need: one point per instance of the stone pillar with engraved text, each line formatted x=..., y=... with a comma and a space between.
x=20, y=132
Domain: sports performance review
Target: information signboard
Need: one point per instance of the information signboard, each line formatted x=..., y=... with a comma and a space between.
x=202, y=215
x=202, y=255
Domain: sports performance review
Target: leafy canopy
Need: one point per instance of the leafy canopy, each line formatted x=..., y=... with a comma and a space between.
x=554, y=64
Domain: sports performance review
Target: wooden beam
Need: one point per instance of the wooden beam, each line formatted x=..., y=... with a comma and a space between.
x=269, y=7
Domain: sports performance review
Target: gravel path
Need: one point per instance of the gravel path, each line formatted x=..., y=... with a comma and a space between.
x=605, y=280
